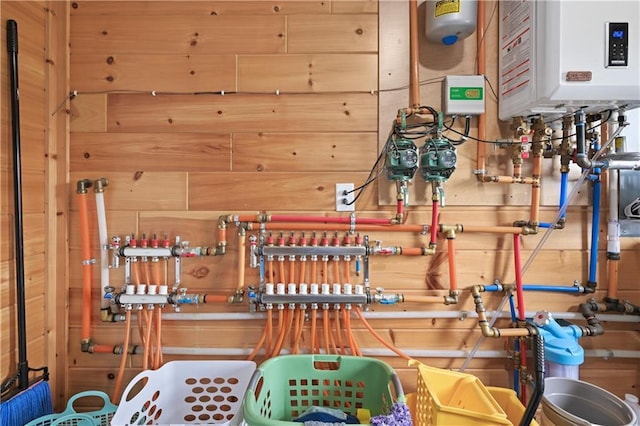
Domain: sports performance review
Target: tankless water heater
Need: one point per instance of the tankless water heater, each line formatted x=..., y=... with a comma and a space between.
x=557, y=56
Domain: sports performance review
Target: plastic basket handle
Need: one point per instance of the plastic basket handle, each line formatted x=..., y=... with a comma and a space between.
x=107, y=405
x=398, y=387
x=333, y=358
x=141, y=376
x=255, y=378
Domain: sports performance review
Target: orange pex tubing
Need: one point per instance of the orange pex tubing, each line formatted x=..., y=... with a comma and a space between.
x=87, y=268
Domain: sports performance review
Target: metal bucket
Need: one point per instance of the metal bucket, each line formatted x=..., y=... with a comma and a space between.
x=568, y=402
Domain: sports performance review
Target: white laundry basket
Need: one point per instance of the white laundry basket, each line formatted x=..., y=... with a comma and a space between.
x=186, y=392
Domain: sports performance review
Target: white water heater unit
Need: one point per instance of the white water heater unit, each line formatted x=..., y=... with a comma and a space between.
x=557, y=56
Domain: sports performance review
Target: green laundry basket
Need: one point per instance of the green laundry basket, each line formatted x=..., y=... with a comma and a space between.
x=69, y=417
x=284, y=387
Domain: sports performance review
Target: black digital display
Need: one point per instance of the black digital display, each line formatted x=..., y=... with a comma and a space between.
x=617, y=44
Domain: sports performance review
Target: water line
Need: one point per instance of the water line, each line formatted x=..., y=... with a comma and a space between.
x=104, y=244
x=539, y=287
x=516, y=344
x=546, y=236
x=384, y=315
x=564, y=184
x=413, y=353
x=595, y=230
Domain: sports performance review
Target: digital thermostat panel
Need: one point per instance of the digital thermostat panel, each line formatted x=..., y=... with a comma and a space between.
x=617, y=46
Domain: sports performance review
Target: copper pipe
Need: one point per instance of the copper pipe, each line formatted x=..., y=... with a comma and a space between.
x=612, y=278
x=451, y=254
x=492, y=229
x=508, y=179
x=517, y=170
x=535, y=192
x=423, y=299
x=414, y=69
x=482, y=69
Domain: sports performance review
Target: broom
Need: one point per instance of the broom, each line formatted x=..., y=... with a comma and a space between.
x=21, y=401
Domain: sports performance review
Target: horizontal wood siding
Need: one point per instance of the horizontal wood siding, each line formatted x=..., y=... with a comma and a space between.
x=199, y=110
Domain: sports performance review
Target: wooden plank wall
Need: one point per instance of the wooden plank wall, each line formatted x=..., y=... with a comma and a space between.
x=299, y=113
x=32, y=20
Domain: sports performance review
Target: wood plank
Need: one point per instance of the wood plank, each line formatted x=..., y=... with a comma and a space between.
x=303, y=151
x=121, y=152
x=318, y=73
x=56, y=207
x=36, y=354
x=177, y=34
x=230, y=113
x=119, y=222
x=162, y=73
x=34, y=280
x=332, y=33
x=31, y=136
x=35, y=326
x=358, y=6
x=275, y=191
x=191, y=8
x=140, y=190
x=88, y=113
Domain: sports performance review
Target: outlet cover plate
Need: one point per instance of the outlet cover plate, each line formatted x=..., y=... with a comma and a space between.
x=341, y=198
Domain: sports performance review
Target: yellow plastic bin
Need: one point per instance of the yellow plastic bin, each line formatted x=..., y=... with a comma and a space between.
x=446, y=397
x=510, y=404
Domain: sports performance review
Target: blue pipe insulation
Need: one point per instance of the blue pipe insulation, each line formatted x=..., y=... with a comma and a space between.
x=537, y=287
x=516, y=342
x=595, y=225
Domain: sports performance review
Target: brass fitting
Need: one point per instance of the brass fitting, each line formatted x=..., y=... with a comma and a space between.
x=106, y=315
x=426, y=250
x=452, y=298
x=237, y=297
x=100, y=184
x=83, y=185
x=451, y=229
x=85, y=345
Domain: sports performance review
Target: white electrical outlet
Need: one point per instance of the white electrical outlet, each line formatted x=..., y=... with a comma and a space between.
x=344, y=197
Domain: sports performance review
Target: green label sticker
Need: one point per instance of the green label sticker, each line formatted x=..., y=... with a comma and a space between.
x=466, y=93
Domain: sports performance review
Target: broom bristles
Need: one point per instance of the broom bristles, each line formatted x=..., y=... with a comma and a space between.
x=27, y=405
